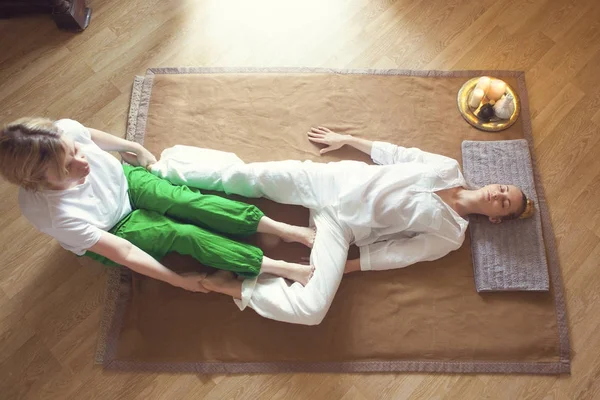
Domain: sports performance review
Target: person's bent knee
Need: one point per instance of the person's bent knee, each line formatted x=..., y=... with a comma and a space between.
x=312, y=319
x=313, y=313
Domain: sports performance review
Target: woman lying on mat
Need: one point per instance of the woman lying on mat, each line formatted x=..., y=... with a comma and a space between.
x=410, y=208
x=76, y=192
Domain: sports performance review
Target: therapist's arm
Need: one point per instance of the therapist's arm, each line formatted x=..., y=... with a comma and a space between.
x=125, y=253
x=134, y=153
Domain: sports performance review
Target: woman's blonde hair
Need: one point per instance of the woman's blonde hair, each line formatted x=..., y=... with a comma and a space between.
x=29, y=147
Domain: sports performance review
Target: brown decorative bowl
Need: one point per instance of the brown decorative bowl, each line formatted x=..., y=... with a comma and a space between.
x=495, y=124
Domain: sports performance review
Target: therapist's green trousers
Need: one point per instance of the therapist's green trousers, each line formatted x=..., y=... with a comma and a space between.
x=169, y=218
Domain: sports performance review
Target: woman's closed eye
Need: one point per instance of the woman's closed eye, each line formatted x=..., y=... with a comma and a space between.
x=70, y=163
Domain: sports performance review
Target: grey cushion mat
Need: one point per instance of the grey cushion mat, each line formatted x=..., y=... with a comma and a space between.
x=511, y=255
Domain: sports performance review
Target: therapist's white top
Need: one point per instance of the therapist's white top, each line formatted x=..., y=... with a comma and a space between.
x=75, y=217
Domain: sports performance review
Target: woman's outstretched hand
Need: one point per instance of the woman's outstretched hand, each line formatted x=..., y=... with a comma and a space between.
x=329, y=138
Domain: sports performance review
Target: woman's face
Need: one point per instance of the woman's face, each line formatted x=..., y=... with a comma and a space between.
x=75, y=163
x=498, y=200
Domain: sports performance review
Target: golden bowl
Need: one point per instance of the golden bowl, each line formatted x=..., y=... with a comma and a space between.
x=495, y=124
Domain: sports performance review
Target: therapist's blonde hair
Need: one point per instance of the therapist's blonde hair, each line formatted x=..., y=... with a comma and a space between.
x=29, y=147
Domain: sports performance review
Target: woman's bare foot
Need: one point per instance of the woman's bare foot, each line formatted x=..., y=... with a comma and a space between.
x=217, y=279
x=191, y=281
x=224, y=282
x=300, y=234
x=352, y=266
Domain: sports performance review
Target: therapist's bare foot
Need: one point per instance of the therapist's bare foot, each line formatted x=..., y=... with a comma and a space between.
x=300, y=234
x=301, y=273
x=267, y=240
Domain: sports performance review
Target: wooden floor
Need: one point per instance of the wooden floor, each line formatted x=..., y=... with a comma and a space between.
x=50, y=306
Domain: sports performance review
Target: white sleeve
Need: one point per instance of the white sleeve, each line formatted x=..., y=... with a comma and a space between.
x=74, y=130
x=75, y=236
x=386, y=153
x=400, y=253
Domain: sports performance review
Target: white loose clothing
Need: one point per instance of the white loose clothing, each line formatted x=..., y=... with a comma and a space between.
x=76, y=217
x=391, y=211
